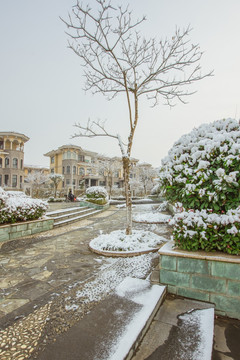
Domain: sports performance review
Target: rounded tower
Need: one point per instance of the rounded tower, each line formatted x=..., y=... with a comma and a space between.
x=12, y=160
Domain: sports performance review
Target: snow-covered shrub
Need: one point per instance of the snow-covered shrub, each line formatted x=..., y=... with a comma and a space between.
x=204, y=230
x=19, y=207
x=97, y=195
x=202, y=171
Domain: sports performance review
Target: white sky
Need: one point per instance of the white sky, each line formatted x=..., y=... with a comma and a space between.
x=41, y=80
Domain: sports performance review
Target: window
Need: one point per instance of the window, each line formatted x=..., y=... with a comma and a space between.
x=82, y=171
x=14, y=181
x=74, y=155
x=6, y=162
x=21, y=164
x=102, y=183
x=63, y=169
x=89, y=171
x=6, y=180
x=0, y=180
x=68, y=169
x=20, y=181
x=52, y=159
x=81, y=158
x=68, y=181
x=74, y=170
x=63, y=184
x=52, y=171
x=0, y=162
x=1, y=144
x=74, y=182
x=15, y=163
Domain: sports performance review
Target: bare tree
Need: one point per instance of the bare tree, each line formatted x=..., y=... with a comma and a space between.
x=117, y=59
x=108, y=167
x=36, y=182
x=147, y=174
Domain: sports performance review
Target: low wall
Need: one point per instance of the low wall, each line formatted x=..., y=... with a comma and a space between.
x=211, y=277
x=94, y=206
x=23, y=229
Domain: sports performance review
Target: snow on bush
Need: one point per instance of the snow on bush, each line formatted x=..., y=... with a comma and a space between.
x=202, y=229
x=202, y=171
x=97, y=194
x=19, y=207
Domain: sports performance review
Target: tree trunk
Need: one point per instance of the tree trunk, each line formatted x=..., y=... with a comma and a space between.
x=126, y=171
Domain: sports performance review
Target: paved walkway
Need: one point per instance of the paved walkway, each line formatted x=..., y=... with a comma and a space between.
x=51, y=281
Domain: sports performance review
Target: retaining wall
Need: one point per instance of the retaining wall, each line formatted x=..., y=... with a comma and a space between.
x=23, y=229
x=94, y=206
x=210, y=277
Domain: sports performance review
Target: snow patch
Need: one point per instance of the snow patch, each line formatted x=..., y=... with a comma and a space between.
x=119, y=241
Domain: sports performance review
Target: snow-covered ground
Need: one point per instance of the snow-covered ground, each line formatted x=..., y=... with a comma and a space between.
x=118, y=241
x=139, y=240
x=152, y=217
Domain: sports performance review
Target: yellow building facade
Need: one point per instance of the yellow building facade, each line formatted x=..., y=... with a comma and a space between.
x=83, y=168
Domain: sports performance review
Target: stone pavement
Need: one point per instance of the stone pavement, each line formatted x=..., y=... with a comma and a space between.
x=43, y=277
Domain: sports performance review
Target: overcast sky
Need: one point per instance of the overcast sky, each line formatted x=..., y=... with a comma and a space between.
x=41, y=79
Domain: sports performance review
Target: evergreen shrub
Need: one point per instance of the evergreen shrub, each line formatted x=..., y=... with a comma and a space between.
x=18, y=207
x=97, y=195
x=202, y=171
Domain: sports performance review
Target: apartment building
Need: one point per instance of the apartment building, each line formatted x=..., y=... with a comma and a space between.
x=83, y=168
x=12, y=160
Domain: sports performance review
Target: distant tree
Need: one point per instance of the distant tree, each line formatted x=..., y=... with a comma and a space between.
x=147, y=174
x=117, y=60
x=108, y=167
x=136, y=187
x=37, y=181
x=56, y=179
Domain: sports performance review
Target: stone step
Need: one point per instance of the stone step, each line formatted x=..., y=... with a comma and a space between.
x=60, y=212
x=69, y=215
x=59, y=222
x=113, y=328
x=181, y=329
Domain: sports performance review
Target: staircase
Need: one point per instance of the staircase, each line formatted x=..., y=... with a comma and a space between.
x=180, y=329
x=67, y=216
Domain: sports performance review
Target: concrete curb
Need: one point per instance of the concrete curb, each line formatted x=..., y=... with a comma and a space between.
x=122, y=253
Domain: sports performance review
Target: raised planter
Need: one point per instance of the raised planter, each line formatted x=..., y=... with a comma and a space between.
x=211, y=277
x=94, y=206
x=121, y=253
x=23, y=229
